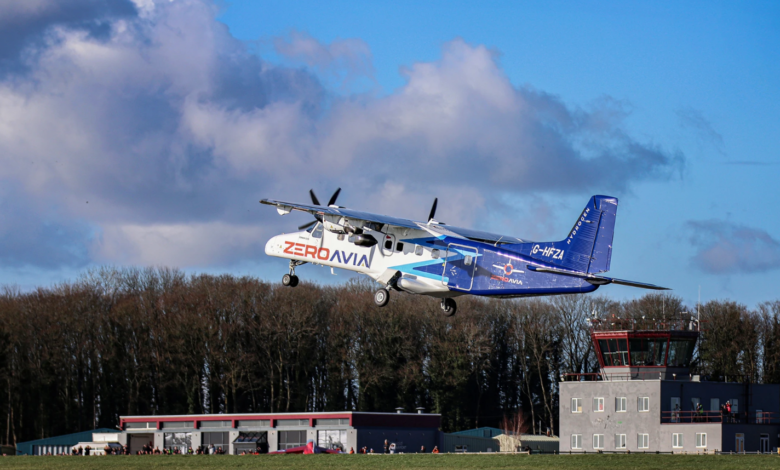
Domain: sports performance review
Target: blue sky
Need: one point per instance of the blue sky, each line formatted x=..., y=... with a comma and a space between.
x=144, y=132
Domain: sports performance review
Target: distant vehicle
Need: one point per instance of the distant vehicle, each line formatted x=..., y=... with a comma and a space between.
x=443, y=261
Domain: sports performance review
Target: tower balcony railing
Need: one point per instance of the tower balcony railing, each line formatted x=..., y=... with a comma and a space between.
x=688, y=417
x=621, y=376
x=641, y=324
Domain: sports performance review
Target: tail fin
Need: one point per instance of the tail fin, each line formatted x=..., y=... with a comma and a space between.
x=588, y=248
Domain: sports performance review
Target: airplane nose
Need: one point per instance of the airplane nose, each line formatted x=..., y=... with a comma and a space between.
x=271, y=245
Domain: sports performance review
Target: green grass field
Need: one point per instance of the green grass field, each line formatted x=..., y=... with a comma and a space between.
x=556, y=462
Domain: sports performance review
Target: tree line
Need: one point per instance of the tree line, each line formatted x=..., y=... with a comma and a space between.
x=152, y=341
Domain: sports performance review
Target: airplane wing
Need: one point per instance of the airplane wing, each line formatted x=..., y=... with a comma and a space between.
x=477, y=235
x=595, y=279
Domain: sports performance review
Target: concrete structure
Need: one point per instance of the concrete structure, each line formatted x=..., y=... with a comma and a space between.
x=59, y=444
x=644, y=399
x=268, y=432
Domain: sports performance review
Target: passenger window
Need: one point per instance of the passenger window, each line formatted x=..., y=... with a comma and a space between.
x=435, y=254
x=418, y=250
x=388, y=244
x=467, y=260
x=399, y=246
x=341, y=237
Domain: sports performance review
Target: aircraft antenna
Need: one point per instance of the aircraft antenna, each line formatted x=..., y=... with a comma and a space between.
x=433, y=210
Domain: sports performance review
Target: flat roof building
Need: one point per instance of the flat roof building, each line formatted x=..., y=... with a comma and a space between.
x=268, y=432
x=644, y=398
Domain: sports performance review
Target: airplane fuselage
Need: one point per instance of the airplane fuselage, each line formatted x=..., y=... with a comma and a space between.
x=440, y=266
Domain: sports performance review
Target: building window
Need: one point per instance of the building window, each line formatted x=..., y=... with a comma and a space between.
x=216, y=424
x=598, y=441
x=291, y=422
x=576, y=405
x=217, y=439
x=643, y=404
x=695, y=402
x=177, y=424
x=598, y=404
x=145, y=425
x=255, y=423
x=332, y=439
x=701, y=439
x=250, y=442
x=290, y=439
x=332, y=422
x=734, y=406
x=621, y=404
x=643, y=441
x=614, y=351
x=620, y=441
x=418, y=250
x=576, y=441
x=677, y=440
x=714, y=404
x=180, y=440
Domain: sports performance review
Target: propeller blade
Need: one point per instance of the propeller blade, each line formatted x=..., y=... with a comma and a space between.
x=334, y=197
x=314, y=199
x=433, y=209
x=305, y=226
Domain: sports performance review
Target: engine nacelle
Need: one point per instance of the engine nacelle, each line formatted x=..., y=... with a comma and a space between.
x=363, y=240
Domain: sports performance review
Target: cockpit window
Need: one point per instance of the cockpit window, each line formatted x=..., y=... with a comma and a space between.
x=316, y=231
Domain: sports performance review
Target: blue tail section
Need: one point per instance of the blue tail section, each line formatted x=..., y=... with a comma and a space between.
x=588, y=247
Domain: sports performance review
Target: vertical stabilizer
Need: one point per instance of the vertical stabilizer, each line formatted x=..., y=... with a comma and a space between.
x=588, y=247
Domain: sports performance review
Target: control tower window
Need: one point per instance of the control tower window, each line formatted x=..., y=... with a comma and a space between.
x=680, y=352
x=647, y=351
x=614, y=351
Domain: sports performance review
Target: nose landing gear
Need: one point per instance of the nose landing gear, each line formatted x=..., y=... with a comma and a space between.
x=291, y=280
x=448, y=307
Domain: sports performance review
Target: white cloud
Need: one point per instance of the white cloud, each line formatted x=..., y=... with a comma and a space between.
x=172, y=130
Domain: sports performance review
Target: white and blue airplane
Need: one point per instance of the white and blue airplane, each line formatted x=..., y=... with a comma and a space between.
x=443, y=261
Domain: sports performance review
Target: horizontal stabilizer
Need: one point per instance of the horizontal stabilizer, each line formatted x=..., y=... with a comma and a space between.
x=594, y=279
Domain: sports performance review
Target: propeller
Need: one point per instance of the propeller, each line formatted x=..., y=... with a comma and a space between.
x=433, y=210
x=316, y=202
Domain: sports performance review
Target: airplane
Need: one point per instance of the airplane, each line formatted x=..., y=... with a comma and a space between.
x=443, y=261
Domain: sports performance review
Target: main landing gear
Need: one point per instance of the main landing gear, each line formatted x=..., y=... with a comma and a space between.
x=291, y=280
x=448, y=307
x=381, y=297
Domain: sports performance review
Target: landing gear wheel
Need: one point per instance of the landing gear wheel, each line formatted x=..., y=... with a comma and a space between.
x=289, y=280
x=448, y=307
x=381, y=297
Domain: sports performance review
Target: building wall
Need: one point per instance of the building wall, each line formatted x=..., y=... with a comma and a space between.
x=720, y=436
x=609, y=422
x=714, y=433
x=408, y=440
x=752, y=436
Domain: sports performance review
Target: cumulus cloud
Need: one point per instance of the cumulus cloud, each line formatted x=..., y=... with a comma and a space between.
x=351, y=55
x=727, y=248
x=172, y=130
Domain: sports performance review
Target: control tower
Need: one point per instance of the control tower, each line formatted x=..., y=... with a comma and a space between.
x=644, y=398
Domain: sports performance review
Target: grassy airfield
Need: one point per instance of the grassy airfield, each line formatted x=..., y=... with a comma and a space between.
x=556, y=462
